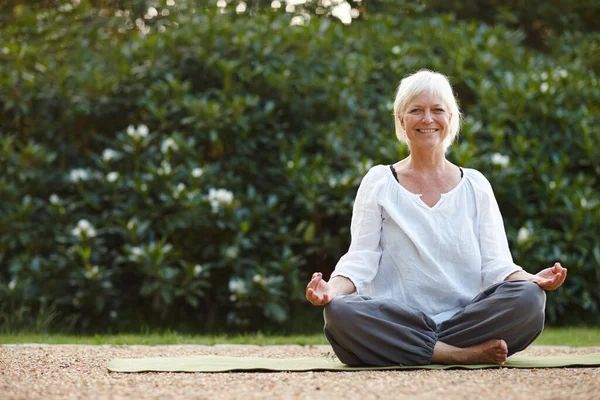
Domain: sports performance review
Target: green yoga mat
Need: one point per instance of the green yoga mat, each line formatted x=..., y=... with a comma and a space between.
x=229, y=364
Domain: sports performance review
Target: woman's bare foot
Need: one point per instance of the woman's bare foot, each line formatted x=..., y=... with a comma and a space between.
x=492, y=351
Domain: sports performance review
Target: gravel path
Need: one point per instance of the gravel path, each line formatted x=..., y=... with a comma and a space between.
x=76, y=372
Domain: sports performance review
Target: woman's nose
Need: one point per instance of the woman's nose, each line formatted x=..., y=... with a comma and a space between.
x=427, y=117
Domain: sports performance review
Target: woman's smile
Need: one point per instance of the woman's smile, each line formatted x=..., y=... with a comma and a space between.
x=427, y=130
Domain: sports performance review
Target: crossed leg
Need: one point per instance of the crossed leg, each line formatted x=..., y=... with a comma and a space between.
x=502, y=320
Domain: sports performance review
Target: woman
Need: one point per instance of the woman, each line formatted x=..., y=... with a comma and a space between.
x=429, y=277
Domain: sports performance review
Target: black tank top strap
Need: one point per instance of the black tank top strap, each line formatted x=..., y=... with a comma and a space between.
x=394, y=172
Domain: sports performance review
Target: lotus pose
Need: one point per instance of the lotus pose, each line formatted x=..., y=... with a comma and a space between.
x=429, y=277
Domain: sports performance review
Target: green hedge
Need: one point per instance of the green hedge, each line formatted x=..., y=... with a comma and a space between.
x=194, y=170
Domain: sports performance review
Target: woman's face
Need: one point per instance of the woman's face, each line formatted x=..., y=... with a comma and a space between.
x=426, y=121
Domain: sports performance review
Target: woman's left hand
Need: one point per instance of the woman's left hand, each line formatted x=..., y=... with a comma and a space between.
x=551, y=278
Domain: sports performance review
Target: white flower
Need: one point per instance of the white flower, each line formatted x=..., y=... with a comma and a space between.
x=113, y=314
x=139, y=133
x=142, y=131
x=151, y=12
x=562, y=72
x=79, y=174
x=177, y=192
x=109, y=155
x=396, y=49
x=132, y=223
x=523, y=235
x=237, y=286
x=143, y=187
x=544, y=87
x=136, y=251
x=112, y=176
x=241, y=8
x=584, y=203
x=290, y=164
x=232, y=298
x=165, y=168
x=258, y=279
x=297, y=20
x=54, y=199
x=84, y=228
x=66, y=7
x=168, y=144
x=93, y=272
x=13, y=284
x=197, y=172
x=231, y=252
x=217, y=197
x=197, y=269
x=552, y=185
x=343, y=12
x=501, y=160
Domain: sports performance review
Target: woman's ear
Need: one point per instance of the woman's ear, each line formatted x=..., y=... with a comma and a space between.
x=400, y=119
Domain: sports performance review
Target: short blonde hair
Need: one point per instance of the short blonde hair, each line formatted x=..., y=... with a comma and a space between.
x=434, y=83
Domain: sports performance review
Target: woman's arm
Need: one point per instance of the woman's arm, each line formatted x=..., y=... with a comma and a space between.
x=496, y=260
x=359, y=265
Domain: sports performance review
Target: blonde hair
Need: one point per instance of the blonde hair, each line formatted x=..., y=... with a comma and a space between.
x=430, y=82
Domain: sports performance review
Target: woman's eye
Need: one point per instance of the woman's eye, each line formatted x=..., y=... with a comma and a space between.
x=414, y=110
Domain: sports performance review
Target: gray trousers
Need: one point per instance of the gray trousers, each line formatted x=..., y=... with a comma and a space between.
x=383, y=332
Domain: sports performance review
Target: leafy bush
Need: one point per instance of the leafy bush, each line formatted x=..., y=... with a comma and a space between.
x=192, y=170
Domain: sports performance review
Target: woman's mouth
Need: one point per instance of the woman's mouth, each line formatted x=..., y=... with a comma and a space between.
x=427, y=130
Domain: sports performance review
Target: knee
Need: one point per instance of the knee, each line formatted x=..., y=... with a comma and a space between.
x=338, y=312
x=532, y=296
x=531, y=302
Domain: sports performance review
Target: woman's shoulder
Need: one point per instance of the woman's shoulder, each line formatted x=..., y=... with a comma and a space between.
x=375, y=177
x=477, y=179
x=377, y=172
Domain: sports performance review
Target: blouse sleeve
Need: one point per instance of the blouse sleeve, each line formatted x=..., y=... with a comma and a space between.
x=361, y=262
x=496, y=261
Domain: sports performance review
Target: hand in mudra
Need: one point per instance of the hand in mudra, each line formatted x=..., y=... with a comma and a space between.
x=551, y=278
x=318, y=291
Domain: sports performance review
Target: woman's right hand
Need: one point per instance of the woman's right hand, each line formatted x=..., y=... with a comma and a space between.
x=318, y=291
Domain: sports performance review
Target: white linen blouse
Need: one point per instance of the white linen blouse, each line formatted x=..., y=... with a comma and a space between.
x=435, y=259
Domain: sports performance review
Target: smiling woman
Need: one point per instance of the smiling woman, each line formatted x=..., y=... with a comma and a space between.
x=429, y=277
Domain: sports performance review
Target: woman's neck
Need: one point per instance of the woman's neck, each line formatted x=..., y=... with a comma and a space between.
x=428, y=162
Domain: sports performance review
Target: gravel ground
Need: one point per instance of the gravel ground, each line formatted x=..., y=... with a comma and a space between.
x=73, y=371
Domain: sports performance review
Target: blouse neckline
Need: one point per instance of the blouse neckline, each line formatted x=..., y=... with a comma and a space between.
x=417, y=197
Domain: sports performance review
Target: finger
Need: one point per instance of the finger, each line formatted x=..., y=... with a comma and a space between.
x=314, y=281
x=314, y=298
x=544, y=283
x=563, y=276
x=311, y=296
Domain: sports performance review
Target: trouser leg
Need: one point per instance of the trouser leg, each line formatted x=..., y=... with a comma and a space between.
x=512, y=311
x=378, y=332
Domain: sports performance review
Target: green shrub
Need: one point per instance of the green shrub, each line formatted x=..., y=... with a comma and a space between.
x=194, y=170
